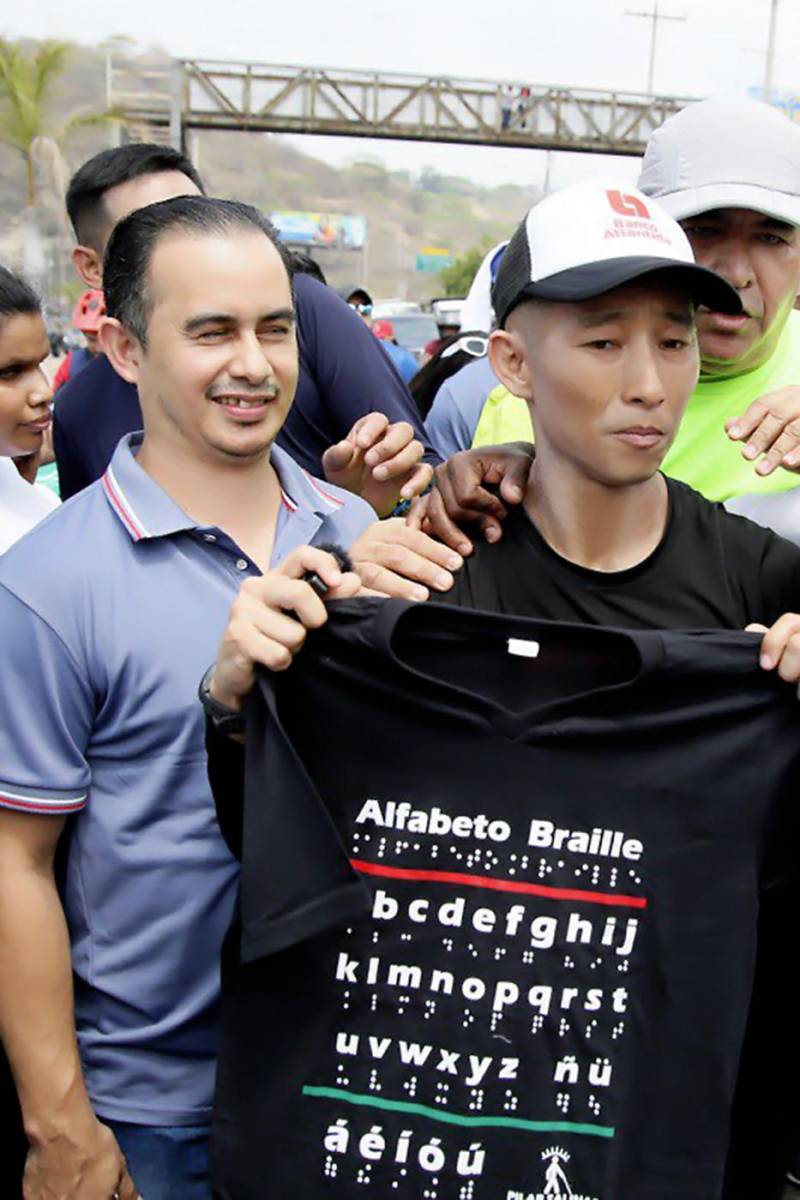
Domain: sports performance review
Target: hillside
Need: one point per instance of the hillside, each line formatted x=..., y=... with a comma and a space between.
x=404, y=213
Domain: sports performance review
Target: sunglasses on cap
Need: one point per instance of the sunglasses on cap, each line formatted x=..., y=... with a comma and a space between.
x=472, y=344
x=365, y=310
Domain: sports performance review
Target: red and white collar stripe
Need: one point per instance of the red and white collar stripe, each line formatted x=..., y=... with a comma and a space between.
x=123, y=507
x=332, y=502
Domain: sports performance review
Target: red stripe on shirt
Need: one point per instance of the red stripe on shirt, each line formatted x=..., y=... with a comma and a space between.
x=326, y=495
x=498, y=885
x=117, y=504
x=42, y=805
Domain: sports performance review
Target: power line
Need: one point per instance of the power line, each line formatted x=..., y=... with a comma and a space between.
x=655, y=16
x=768, y=70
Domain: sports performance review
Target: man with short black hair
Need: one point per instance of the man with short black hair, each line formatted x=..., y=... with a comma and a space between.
x=344, y=376
x=106, y=728
x=597, y=332
x=115, y=182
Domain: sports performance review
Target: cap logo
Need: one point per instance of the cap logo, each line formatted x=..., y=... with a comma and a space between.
x=628, y=206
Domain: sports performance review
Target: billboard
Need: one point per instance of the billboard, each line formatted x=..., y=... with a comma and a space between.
x=433, y=258
x=342, y=231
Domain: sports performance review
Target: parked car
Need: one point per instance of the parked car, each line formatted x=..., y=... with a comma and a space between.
x=413, y=331
x=389, y=309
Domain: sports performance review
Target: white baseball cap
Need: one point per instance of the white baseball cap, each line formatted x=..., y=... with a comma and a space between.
x=725, y=154
x=477, y=311
x=590, y=238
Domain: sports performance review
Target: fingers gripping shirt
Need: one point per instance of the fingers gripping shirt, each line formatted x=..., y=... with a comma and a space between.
x=543, y=851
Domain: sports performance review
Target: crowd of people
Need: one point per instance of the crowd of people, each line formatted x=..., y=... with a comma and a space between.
x=311, y=888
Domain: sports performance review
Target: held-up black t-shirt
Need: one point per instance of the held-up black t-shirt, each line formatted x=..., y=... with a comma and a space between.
x=500, y=892
x=711, y=570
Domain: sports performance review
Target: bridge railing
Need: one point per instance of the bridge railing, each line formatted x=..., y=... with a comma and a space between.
x=198, y=93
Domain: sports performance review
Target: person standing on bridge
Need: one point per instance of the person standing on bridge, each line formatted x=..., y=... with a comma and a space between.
x=506, y=105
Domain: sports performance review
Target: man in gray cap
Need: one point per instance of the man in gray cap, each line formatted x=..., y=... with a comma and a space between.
x=729, y=171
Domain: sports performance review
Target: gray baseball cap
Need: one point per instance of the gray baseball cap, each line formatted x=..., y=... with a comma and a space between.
x=725, y=154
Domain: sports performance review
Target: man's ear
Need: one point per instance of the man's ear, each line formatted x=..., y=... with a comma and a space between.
x=89, y=265
x=121, y=348
x=509, y=362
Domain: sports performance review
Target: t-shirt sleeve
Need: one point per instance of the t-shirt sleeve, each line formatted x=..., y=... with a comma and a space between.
x=351, y=370
x=409, y=366
x=48, y=712
x=447, y=425
x=780, y=578
x=297, y=880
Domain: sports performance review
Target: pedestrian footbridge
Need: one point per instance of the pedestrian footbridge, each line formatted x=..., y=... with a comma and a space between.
x=162, y=101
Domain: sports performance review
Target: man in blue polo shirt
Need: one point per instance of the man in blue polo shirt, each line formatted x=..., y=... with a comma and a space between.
x=101, y=719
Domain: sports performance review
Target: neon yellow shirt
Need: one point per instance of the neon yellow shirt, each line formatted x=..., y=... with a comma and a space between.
x=702, y=454
x=504, y=418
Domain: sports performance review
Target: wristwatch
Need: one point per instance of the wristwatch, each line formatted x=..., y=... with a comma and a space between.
x=225, y=720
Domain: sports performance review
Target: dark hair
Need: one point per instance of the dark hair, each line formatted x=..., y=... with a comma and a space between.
x=304, y=264
x=133, y=242
x=429, y=378
x=16, y=296
x=110, y=168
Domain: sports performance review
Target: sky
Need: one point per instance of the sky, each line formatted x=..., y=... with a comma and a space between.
x=719, y=49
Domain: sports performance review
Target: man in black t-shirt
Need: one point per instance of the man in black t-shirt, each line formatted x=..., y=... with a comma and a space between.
x=595, y=302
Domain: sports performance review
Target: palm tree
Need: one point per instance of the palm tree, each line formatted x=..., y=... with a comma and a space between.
x=27, y=99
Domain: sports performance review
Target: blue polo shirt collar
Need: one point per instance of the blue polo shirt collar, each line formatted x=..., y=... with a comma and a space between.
x=146, y=511
x=300, y=490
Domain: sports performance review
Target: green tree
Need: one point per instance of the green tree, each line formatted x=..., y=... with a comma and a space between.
x=456, y=279
x=28, y=100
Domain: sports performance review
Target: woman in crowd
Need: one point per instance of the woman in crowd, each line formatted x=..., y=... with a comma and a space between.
x=25, y=397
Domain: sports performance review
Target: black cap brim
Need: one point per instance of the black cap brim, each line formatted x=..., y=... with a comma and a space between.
x=594, y=279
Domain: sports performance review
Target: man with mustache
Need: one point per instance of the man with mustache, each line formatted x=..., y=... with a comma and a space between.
x=346, y=391
x=729, y=172
x=104, y=726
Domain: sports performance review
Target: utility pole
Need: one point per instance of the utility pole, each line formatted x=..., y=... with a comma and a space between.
x=655, y=16
x=768, y=70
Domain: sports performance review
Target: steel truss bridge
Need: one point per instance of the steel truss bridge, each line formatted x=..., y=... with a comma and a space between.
x=163, y=101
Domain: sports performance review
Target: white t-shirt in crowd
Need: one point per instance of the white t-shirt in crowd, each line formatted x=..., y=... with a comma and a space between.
x=22, y=504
